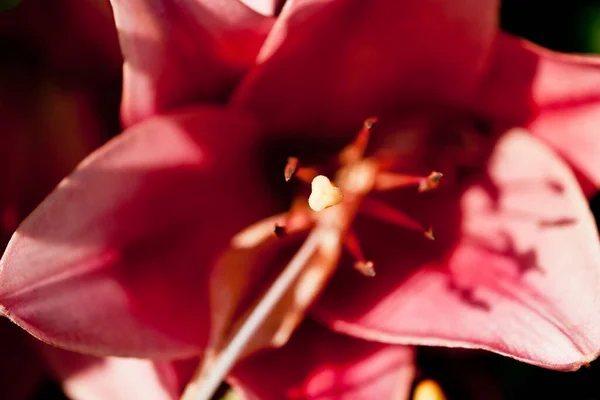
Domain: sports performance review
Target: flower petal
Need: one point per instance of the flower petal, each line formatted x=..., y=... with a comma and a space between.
x=265, y=7
x=328, y=65
x=236, y=287
x=521, y=280
x=318, y=364
x=556, y=96
x=90, y=378
x=239, y=278
x=178, y=52
x=116, y=260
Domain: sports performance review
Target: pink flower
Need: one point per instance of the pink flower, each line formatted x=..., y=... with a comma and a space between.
x=119, y=259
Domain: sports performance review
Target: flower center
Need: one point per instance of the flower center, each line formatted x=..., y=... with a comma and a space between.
x=333, y=204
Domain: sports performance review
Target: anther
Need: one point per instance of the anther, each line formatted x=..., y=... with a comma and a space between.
x=431, y=182
x=324, y=194
x=429, y=234
x=365, y=267
x=370, y=123
x=290, y=168
x=352, y=244
x=355, y=151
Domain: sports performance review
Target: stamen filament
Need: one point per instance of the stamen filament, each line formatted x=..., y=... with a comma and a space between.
x=353, y=246
x=296, y=220
x=391, y=180
x=383, y=212
x=355, y=151
x=293, y=169
x=205, y=387
x=290, y=168
x=306, y=174
x=258, y=233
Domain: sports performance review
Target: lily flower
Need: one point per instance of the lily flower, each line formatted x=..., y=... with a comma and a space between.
x=159, y=244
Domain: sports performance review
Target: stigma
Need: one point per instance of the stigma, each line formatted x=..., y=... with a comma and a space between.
x=335, y=201
x=324, y=194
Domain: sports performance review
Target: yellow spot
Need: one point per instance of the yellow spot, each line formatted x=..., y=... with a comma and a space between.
x=231, y=395
x=428, y=390
x=324, y=194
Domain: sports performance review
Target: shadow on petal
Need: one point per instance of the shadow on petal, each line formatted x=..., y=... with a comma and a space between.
x=555, y=96
x=177, y=53
x=499, y=283
x=328, y=65
x=116, y=260
x=317, y=363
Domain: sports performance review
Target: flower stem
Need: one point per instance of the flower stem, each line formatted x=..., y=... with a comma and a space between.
x=205, y=387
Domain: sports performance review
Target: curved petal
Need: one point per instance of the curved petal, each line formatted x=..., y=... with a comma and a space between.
x=116, y=260
x=265, y=7
x=521, y=280
x=178, y=52
x=90, y=378
x=556, y=96
x=328, y=65
x=318, y=364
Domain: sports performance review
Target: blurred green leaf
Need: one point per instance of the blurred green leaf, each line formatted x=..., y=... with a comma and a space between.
x=589, y=24
x=231, y=395
x=8, y=4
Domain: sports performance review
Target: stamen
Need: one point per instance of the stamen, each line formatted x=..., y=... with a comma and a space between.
x=353, y=246
x=386, y=213
x=297, y=219
x=366, y=268
x=324, y=194
x=392, y=180
x=431, y=182
x=355, y=151
x=429, y=233
x=290, y=168
x=293, y=169
x=306, y=174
